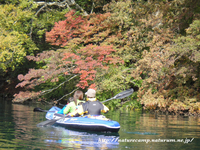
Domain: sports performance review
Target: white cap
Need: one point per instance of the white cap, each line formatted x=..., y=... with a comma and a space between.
x=91, y=93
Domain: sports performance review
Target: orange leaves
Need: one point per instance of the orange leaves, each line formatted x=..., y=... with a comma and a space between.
x=77, y=31
x=20, y=77
x=64, y=31
x=71, y=55
x=92, y=86
x=88, y=60
x=82, y=84
x=86, y=30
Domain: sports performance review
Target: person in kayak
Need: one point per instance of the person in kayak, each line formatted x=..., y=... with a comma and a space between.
x=92, y=106
x=76, y=111
x=71, y=99
x=71, y=107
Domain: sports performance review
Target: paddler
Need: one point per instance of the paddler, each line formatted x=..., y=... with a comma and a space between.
x=71, y=107
x=92, y=106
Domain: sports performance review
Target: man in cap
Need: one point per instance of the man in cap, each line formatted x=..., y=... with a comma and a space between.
x=92, y=106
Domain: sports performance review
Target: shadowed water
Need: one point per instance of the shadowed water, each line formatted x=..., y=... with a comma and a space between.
x=18, y=130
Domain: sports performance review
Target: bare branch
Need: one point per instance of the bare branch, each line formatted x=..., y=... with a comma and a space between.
x=40, y=9
x=92, y=7
x=50, y=90
x=65, y=96
x=64, y=3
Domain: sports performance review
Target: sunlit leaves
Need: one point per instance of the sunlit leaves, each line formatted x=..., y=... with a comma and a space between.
x=159, y=61
x=13, y=49
x=76, y=30
x=88, y=60
x=52, y=67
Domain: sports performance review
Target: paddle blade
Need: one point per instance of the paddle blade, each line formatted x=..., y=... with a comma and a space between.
x=53, y=121
x=39, y=110
x=124, y=94
x=121, y=95
x=47, y=123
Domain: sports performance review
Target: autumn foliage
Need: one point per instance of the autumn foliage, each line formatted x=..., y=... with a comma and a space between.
x=83, y=61
x=151, y=46
x=89, y=32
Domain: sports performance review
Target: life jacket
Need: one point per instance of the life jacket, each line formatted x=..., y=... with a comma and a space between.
x=92, y=107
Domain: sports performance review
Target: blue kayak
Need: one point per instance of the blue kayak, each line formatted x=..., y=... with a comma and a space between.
x=87, y=123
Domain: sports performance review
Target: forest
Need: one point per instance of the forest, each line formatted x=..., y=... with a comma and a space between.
x=50, y=48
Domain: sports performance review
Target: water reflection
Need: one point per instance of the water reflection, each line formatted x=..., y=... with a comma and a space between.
x=19, y=131
x=77, y=139
x=147, y=126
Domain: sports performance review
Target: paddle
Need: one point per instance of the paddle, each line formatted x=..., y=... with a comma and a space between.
x=118, y=96
x=37, y=109
x=51, y=122
x=121, y=95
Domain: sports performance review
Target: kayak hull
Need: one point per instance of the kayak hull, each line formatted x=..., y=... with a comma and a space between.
x=100, y=124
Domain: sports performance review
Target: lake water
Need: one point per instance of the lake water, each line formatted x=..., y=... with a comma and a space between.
x=18, y=130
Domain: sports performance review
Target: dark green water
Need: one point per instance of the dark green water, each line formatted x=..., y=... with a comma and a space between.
x=18, y=130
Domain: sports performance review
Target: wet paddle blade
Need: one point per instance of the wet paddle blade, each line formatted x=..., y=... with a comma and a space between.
x=47, y=123
x=51, y=122
x=41, y=110
x=121, y=95
x=124, y=94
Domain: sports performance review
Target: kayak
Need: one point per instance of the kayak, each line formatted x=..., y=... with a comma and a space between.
x=86, y=123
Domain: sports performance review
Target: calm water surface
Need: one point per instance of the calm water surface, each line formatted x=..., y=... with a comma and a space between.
x=18, y=130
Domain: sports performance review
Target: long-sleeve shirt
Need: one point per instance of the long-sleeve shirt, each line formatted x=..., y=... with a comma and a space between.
x=71, y=107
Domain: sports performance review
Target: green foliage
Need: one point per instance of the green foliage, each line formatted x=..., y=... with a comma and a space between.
x=158, y=41
x=155, y=62
x=187, y=64
x=13, y=48
x=24, y=28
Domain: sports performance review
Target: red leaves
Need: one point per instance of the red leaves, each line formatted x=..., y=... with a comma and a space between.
x=88, y=60
x=65, y=30
x=76, y=31
x=86, y=30
x=71, y=55
x=20, y=77
x=23, y=96
x=92, y=86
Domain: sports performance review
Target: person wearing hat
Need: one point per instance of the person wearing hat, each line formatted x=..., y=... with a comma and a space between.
x=92, y=106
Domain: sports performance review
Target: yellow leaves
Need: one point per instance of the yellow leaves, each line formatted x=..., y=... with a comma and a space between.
x=12, y=51
x=12, y=17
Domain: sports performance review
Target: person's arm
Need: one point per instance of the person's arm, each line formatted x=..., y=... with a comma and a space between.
x=105, y=109
x=67, y=109
x=79, y=112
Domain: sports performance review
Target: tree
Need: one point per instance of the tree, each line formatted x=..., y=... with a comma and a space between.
x=83, y=63
x=15, y=43
x=32, y=19
x=137, y=44
x=167, y=69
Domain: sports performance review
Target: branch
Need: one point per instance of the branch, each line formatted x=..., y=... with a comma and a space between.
x=40, y=9
x=129, y=81
x=92, y=7
x=50, y=90
x=65, y=3
x=34, y=96
x=55, y=102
